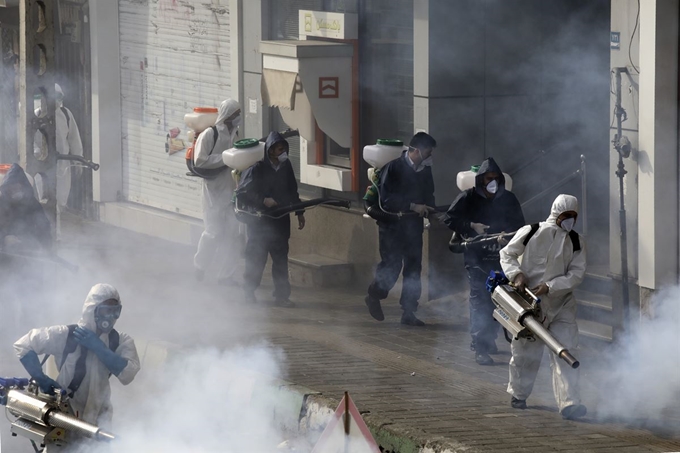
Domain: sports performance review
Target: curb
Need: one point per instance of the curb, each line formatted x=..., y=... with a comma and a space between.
x=391, y=437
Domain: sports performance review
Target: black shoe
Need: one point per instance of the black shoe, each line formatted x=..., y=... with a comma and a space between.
x=250, y=298
x=493, y=349
x=199, y=274
x=573, y=412
x=518, y=404
x=409, y=319
x=374, y=308
x=284, y=303
x=482, y=358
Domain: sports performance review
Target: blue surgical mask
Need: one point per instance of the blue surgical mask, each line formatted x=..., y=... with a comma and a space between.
x=427, y=162
x=568, y=224
x=492, y=187
x=236, y=122
x=283, y=157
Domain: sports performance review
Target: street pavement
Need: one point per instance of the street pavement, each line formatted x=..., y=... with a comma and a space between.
x=421, y=383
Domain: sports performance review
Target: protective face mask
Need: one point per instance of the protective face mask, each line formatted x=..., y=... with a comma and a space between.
x=568, y=224
x=283, y=157
x=236, y=122
x=492, y=187
x=427, y=162
x=105, y=317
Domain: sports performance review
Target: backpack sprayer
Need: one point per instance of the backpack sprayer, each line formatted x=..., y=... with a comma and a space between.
x=520, y=313
x=43, y=419
x=248, y=152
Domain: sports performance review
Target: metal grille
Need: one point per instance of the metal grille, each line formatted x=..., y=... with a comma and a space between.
x=174, y=56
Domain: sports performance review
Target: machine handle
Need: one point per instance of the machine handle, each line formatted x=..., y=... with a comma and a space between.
x=532, y=295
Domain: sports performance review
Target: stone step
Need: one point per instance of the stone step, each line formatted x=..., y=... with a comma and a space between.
x=597, y=283
x=594, y=307
x=316, y=271
x=595, y=330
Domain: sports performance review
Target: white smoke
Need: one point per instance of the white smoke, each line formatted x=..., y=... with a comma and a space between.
x=204, y=401
x=643, y=382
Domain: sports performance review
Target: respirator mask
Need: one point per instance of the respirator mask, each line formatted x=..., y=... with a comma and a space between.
x=105, y=316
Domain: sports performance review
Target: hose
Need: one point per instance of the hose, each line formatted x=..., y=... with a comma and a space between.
x=247, y=216
x=380, y=214
x=80, y=159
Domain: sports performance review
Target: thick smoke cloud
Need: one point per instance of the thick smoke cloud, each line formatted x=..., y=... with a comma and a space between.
x=642, y=386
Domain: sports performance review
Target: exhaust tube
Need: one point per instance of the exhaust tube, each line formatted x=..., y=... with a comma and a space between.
x=551, y=342
x=570, y=359
x=71, y=423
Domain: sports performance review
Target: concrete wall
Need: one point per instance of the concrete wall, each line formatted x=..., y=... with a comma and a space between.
x=623, y=18
x=106, y=101
x=658, y=187
x=509, y=78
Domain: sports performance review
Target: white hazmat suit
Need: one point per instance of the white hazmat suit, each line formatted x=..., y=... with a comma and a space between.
x=92, y=401
x=217, y=249
x=549, y=258
x=68, y=142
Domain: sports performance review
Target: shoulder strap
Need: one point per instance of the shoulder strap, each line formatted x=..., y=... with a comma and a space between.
x=575, y=241
x=71, y=345
x=216, y=134
x=206, y=173
x=573, y=235
x=534, y=229
x=68, y=119
x=79, y=374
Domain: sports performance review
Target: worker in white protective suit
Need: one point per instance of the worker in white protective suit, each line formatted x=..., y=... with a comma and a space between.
x=553, y=264
x=104, y=350
x=217, y=249
x=69, y=143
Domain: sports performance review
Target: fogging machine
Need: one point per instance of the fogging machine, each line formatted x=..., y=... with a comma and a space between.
x=519, y=312
x=43, y=419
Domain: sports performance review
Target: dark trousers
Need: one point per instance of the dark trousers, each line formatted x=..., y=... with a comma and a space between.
x=483, y=328
x=261, y=243
x=401, y=245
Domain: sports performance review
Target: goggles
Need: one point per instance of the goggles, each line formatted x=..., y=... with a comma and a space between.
x=109, y=311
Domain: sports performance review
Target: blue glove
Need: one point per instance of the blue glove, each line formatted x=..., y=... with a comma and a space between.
x=88, y=339
x=32, y=364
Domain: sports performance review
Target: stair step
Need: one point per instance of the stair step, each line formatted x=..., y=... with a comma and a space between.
x=594, y=307
x=597, y=283
x=595, y=330
x=317, y=271
x=593, y=300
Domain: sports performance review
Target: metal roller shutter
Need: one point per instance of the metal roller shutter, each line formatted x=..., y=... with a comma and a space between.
x=174, y=55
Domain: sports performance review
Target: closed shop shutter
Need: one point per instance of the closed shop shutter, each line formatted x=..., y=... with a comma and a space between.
x=174, y=56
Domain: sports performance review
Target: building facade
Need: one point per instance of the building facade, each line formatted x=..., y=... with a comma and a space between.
x=531, y=83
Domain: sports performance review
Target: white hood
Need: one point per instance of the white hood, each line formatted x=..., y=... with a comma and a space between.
x=562, y=203
x=227, y=108
x=99, y=293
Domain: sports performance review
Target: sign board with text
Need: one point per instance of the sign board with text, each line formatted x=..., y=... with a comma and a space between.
x=328, y=25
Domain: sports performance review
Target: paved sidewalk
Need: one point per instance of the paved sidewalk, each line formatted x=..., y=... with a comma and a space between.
x=415, y=386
